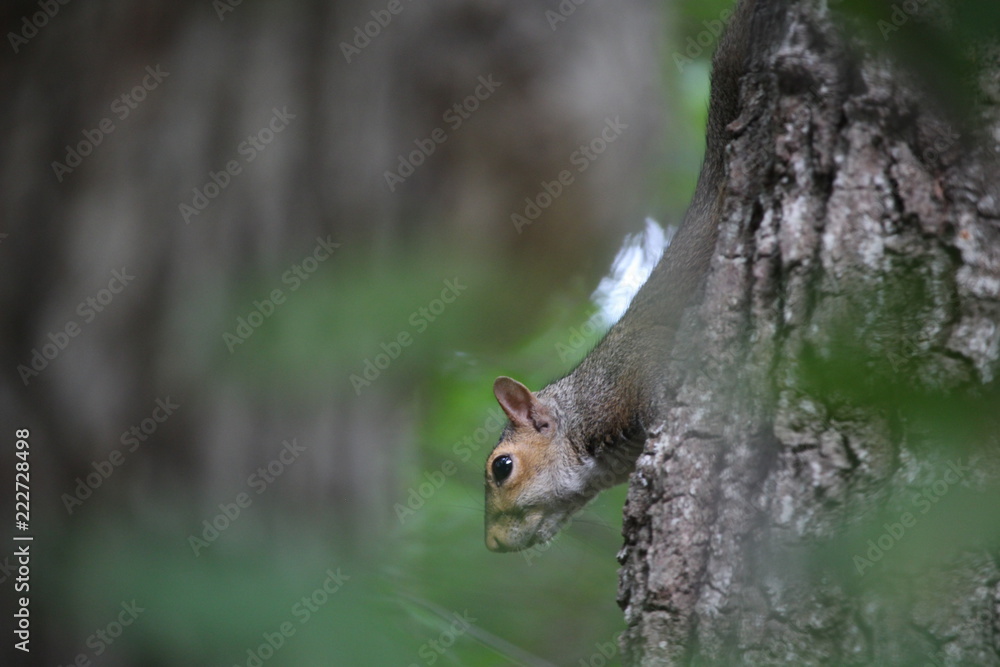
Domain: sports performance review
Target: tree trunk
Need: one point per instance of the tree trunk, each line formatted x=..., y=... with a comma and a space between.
x=822, y=488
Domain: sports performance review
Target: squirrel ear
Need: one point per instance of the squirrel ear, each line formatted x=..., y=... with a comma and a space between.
x=522, y=407
x=515, y=399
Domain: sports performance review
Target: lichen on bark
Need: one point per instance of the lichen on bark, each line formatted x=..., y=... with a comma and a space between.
x=822, y=486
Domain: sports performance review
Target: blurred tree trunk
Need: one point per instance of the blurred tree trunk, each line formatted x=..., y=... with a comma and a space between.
x=226, y=67
x=823, y=488
x=224, y=72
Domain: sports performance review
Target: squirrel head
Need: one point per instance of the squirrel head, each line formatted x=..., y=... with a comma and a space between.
x=534, y=478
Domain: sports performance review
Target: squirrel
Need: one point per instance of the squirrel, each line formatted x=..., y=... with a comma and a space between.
x=583, y=433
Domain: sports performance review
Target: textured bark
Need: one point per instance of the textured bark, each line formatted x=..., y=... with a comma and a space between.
x=846, y=355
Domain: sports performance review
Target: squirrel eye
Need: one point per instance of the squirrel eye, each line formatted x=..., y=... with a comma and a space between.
x=502, y=465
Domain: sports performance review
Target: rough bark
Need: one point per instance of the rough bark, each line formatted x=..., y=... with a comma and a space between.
x=847, y=352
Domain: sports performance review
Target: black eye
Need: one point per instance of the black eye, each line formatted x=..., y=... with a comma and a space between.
x=502, y=465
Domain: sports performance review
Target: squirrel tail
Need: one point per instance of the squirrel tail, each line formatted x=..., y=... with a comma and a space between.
x=679, y=273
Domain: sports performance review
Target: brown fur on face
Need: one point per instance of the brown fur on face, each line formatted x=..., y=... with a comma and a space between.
x=512, y=511
x=541, y=491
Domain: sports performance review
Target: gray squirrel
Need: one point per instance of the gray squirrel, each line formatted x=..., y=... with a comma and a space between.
x=583, y=433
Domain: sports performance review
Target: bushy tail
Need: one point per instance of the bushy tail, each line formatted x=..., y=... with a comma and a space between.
x=679, y=273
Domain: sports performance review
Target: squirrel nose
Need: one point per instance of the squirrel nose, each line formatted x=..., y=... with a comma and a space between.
x=493, y=543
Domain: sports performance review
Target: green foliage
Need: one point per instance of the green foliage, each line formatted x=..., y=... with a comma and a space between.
x=549, y=605
x=404, y=586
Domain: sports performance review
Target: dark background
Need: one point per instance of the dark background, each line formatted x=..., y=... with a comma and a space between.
x=385, y=490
